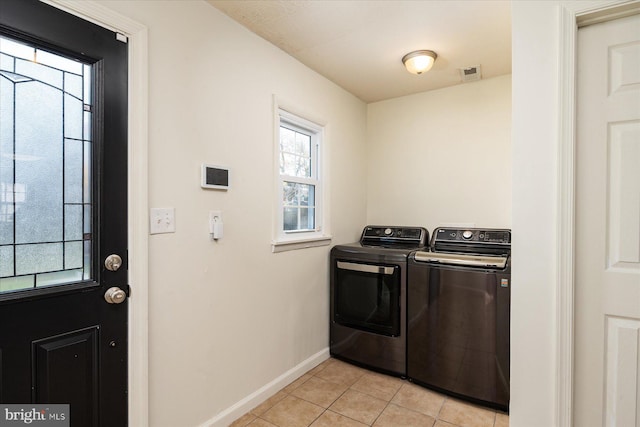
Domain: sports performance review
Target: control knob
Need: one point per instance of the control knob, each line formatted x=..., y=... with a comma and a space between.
x=467, y=234
x=388, y=231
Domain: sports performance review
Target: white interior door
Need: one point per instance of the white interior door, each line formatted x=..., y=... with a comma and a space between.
x=607, y=286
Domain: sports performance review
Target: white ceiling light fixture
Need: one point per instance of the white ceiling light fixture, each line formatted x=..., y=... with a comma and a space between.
x=419, y=61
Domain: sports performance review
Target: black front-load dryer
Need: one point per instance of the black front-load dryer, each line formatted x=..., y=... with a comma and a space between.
x=368, y=297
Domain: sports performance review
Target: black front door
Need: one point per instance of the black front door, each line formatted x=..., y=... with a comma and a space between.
x=63, y=212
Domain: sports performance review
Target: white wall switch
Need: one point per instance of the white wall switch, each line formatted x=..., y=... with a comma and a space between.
x=162, y=220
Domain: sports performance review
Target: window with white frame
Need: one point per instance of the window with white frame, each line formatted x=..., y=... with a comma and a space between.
x=300, y=195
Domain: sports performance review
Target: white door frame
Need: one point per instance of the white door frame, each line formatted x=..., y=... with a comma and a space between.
x=571, y=14
x=138, y=254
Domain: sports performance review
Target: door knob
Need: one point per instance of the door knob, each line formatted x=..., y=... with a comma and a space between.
x=115, y=295
x=113, y=262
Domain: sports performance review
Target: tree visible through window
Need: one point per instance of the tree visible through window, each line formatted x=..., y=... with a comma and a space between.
x=299, y=143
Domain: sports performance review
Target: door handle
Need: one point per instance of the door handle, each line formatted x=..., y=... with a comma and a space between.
x=115, y=295
x=365, y=268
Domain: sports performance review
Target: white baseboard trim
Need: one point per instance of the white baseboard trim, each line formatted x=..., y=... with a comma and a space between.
x=232, y=413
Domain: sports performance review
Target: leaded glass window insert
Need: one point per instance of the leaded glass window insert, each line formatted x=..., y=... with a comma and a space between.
x=45, y=168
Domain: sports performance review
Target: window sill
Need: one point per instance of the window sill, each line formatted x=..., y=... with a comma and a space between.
x=290, y=245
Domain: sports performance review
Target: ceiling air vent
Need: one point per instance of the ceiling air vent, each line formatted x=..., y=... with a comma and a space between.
x=470, y=74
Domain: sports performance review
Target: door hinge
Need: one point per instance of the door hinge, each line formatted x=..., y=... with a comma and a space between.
x=121, y=37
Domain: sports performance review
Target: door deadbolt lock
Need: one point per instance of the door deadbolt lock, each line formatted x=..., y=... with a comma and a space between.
x=113, y=262
x=115, y=295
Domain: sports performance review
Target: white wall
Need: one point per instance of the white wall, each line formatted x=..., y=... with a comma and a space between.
x=224, y=320
x=227, y=318
x=535, y=42
x=442, y=157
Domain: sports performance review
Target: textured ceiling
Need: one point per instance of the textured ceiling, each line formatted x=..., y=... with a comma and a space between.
x=359, y=44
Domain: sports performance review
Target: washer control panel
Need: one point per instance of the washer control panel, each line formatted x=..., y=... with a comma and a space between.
x=472, y=235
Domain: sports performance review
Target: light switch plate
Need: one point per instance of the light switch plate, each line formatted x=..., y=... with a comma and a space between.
x=162, y=220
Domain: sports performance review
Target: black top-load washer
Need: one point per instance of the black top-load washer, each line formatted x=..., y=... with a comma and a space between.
x=458, y=314
x=368, y=297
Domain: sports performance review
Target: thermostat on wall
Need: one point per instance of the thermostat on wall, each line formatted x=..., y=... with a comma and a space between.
x=214, y=177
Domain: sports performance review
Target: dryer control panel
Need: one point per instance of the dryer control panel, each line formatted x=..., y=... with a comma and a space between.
x=418, y=235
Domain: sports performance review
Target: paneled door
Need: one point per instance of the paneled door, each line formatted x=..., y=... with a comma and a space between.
x=63, y=213
x=607, y=276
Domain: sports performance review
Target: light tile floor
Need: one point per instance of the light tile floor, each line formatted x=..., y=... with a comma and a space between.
x=337, y=394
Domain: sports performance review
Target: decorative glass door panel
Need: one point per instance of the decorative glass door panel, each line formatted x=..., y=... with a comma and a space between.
x=45, y=168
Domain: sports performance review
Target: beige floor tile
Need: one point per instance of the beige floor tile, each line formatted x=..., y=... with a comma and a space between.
x=292, y=412
x=341, y=373
x=358, y=397
x=268, y=404
x=259, y=422
x=243, y=420
x=321, y=366
x=377, y=385
x=297, y=383
x=466, y=415
x=359, y=406
x=419, y=399
x=502, y=420
x=332, y=419
x=397, y=416
x=320, y=392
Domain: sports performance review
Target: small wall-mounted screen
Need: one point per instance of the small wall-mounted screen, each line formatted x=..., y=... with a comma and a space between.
x=215, y=177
